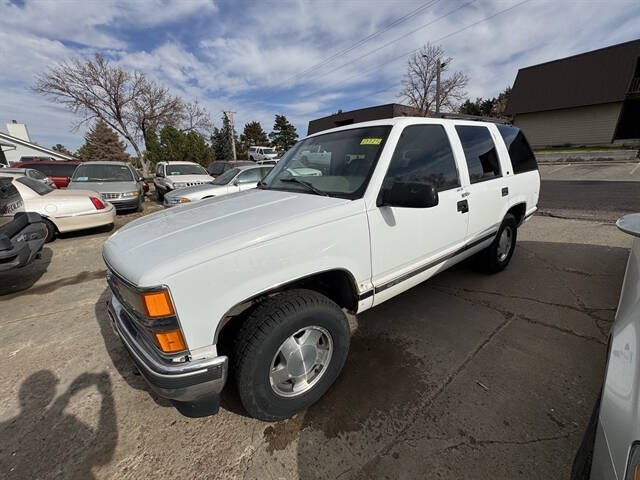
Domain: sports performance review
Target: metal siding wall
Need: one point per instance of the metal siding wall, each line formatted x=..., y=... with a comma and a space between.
x=590, y=125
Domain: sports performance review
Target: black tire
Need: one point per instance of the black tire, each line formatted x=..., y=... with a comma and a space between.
x=139, y=208
x=259, y=339
x=490, y=259
x=252, y=159
x=51, y=230
x=159, y=194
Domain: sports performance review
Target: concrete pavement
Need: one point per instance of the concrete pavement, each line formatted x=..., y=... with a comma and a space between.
x=466, y=375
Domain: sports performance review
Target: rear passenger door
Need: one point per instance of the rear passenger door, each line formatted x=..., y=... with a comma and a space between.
x=487, y=189
x=410, y=244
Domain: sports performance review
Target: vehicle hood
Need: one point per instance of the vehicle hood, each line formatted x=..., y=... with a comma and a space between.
x=104, y=187
x=151, y=249
x=197, y=191
x=189, y=178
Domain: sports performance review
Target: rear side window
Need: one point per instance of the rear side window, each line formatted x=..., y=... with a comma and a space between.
x=424, y=153
x=480, y=153
x=62, y=170
x=522, y=157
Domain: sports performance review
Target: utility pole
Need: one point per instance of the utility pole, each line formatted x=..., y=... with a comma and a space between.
x=229, y=116
x=438, y=65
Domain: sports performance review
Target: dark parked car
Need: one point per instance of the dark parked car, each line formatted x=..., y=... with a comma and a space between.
x=22, y=234
x=60, y=171
x=219, y=167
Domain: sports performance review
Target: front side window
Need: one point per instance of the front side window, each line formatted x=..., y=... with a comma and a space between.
x=480, y=153
x=39, y=187
x=102, y=172
x=424, y=155
x=185, y=169
x=249, y=176
x=522, y=157
x=336, y=164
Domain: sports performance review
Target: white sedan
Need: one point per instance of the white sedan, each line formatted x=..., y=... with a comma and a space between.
x=62, y=210
x=234, y=180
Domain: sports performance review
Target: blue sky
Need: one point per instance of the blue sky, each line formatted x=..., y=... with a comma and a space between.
x=250, y=56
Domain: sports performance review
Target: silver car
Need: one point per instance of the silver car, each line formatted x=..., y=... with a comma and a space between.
x=614, y=430
x=235, y=180
x=117, y=183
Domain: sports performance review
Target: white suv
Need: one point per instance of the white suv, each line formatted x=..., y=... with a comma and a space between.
x=262, y=278
x=258, y=154
x=175, y=175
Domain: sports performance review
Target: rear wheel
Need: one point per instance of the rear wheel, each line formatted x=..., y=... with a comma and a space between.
x=51, y=230
x=288, y=352
x=496, y=257
x=159, y=194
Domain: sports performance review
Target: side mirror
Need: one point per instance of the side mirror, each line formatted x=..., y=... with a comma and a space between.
x=140, y=179
x=236, y=182
x=68, y=179
x=410, y=194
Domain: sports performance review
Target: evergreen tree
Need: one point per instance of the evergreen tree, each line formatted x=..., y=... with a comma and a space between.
x=175, y=145
x=284, y=134
x=58, y=147
x=221, y=140
x=253, y=134
x=102, y=143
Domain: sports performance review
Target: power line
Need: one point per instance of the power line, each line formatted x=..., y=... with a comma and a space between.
x=377, y=49
x=456, y=32
x=364, y=40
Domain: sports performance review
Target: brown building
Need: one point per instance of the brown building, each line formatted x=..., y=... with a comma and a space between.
x=588, y=99
x=362, y=115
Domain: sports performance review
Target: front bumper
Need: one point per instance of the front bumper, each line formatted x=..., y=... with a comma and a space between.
x=189, y=381
x=125, y=204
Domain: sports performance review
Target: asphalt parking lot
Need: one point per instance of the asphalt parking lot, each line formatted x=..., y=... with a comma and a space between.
x=464, y=376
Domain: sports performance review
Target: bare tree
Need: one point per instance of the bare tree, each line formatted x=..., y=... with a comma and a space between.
x=195, y=118
x=420, y=84
x=128, y=102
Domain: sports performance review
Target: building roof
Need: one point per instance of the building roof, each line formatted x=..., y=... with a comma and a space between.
x=8, y=140
x=590, y=78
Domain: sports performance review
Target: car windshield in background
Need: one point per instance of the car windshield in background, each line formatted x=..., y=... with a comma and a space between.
x=337, y=164
x=226, y=177
x=39, y=187
x=184, y=169
x=102, y=173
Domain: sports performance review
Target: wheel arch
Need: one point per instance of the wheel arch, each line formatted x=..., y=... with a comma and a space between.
x=519, y=211
x=337, y=284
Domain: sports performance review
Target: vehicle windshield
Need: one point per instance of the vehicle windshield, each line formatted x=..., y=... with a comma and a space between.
x=185, y=169
x=226, y=177
x=40, y=188
x=336, y=164
x=101, y=172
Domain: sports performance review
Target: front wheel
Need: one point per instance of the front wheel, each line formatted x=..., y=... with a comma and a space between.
x=496, y=257
x=288, y=352
x=51, y=230
x=159, y=194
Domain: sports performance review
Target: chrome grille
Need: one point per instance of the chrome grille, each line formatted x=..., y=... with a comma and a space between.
x=110, y=196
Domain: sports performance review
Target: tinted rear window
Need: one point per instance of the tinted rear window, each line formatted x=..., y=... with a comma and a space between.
x=522, y=157
x=52, y=169
x=480, y=153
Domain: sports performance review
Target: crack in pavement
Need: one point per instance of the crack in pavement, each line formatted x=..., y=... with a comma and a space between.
x=582, y=308
x=473, y=443
x=430, y=399
x=555, y=268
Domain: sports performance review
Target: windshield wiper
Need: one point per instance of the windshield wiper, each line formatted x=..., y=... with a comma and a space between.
x=306, y=184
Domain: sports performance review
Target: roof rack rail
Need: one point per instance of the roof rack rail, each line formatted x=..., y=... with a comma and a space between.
x=476, y=118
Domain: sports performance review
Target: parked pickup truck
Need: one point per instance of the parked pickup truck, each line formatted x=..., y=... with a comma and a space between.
x=260, y=280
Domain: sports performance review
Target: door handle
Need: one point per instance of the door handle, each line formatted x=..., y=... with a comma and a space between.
x=463, y=206
x=505, y=191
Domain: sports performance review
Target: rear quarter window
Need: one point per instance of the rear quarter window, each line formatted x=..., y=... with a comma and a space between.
x=522, y=157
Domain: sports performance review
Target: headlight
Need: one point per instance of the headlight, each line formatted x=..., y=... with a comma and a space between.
x=184, y=200
x=179, y=185
x=130, y=194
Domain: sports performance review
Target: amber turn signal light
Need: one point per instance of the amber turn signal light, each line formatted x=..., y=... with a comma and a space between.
x=170, y=341
x=157, y=304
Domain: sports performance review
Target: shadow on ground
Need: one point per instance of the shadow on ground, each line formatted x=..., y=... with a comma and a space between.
x=45, y=441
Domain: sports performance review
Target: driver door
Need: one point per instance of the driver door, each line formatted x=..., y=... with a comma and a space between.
x=408, y=245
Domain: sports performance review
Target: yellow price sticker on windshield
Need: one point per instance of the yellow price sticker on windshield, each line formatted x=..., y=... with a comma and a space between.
x=371, y=141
